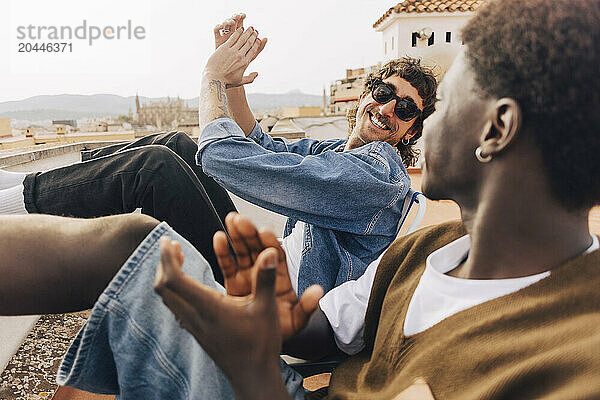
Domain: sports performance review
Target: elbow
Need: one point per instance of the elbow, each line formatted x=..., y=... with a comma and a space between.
x=206, y=160
x=215, y=163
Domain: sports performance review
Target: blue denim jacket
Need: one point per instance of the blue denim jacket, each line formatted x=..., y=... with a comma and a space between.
x=351, y=201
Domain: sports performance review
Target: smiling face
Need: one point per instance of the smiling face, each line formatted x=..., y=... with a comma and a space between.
x=375, y=121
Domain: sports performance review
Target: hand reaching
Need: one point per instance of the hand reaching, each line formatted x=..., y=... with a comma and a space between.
x=241, y=334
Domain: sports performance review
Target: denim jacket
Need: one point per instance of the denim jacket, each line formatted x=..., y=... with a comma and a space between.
x=351, y=201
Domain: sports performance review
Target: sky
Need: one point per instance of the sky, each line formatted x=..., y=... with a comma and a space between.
x=310, y=44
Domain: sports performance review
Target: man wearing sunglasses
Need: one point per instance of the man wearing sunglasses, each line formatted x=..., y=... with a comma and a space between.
x=343, y=197
x=387, y=116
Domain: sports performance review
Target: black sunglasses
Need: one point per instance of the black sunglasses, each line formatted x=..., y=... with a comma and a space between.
x=405, y=108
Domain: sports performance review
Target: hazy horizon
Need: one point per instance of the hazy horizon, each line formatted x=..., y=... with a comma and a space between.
x=67, y=106
x=309, y=46
x=292, y=91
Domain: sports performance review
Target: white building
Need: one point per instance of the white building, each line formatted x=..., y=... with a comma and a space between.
x=428, y=29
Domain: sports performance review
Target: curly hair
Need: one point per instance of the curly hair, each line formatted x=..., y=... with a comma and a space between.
x=545, y=55
x=421, y=78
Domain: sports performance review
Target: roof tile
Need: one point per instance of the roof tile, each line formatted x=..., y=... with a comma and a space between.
x=429, y=6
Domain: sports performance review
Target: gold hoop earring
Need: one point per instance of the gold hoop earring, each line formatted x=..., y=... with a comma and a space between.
x=405, y=141
x=480, y=158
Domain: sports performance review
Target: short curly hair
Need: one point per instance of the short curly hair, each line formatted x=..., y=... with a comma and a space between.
x=546, y=56
x=421, y=78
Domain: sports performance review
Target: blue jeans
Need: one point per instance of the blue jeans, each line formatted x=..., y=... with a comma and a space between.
x=133, y=347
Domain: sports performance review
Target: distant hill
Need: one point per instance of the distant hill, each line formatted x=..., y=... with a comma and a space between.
x=99, y=104
x=260, y=101
x=73, y=106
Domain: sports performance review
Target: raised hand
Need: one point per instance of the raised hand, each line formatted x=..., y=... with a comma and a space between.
x=224, y=31
x=226, y=28
x=241, y=334
x=240, y=276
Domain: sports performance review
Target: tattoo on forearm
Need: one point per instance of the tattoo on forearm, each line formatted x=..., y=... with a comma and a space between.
x=213, y=102
x=218, y=88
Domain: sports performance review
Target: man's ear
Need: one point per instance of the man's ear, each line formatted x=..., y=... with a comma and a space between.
x=414, y=130
x=502, y=127
x=410, y=133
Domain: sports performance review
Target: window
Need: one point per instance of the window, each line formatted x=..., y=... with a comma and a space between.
x=392, y=43
x=430, y=41
x=415, y=36
x=448, y=37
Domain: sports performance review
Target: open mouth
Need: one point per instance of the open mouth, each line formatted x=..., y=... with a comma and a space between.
x=377, y=123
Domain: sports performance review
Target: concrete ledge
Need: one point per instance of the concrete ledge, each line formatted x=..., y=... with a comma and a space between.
x=55, y=151
x=286, y=128
x=13, y=331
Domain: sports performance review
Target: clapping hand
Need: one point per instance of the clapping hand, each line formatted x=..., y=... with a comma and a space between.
x=243, y=330
x=226, y=28
x=240, y=275
x=224, y=31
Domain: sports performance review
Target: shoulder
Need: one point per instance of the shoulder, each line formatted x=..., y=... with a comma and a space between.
x=408, y=253
x=381, y=153
x=412, y=250
x=320, y=146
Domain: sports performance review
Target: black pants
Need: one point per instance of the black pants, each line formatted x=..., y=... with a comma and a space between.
x=157, y=173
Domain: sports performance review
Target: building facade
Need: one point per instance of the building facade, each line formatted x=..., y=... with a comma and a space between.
x=165, y=114
x=428, y=29
x=295, y=112
x=344, y=93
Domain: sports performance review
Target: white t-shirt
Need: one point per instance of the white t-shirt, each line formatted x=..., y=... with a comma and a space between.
x=436, y=297
x=292, y=245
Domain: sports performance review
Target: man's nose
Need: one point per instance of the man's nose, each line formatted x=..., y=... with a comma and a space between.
x=387, y=109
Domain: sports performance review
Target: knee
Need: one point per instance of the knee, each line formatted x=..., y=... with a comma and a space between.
x=135, y=227
x=173, y=140
x=157, y=156
x=121, y=233
x=143, y=223
x=180, y=137
x=182, y=143
x=163, y=168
